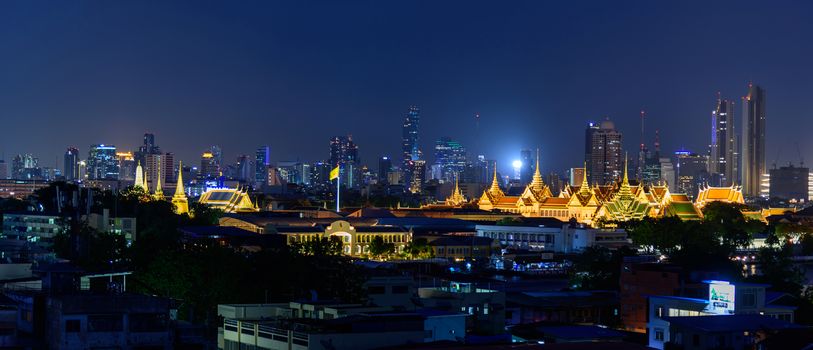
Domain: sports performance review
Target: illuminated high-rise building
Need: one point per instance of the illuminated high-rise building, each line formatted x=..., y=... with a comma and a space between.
x=127, y=166
x=723, y=147
x=344, y=152
x=261, y=162
x=25, y=167
x=691, y=172
x=102, y=163
x=450, y=159
x=384, y=168
x=753, y=140
x=603, y=153
x=159, y=165
x=409, y=138
x=3, y=169
x=418, y=176
x=71, y=164
x=209, y=169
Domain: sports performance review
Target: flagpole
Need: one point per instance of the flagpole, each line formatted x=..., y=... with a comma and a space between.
x=338, y=187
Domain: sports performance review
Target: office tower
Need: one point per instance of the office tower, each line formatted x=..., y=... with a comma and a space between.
x=450, y=159
x=753, y=140
x=102, y=163
x=575, y=176
x=149, y=143
x=409, y=132
x=217, y=154
x=667, y=171
x=25, y=167
x=526, y=171
x=168, y=176
x=3, y=170
x=71, y=164
x=691, y=172
x=790, y=183
x=418, y=176
x=723, y=147
x=261, y=163
x=603, y=153
x=384, y=168
x=127, y=166
x=209, y=169
x=344, y=152
x=244, y=170
x=305, y=170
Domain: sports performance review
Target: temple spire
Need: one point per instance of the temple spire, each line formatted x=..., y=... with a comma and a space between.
x=139, y=177
x=159, y=190
x=626, y=179
x=585, y=187
x=495, y=185
x=179, y=189
x=179, y=198
x=537, y=184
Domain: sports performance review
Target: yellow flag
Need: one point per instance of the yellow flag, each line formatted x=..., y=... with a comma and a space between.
x=334, y=174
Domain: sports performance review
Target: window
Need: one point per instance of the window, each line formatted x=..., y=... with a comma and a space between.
x=400, y=289
x=376, y=290
x=658, y=334
x=659, y=311
x=105, y=323
x=148, y=322
x=73, y=326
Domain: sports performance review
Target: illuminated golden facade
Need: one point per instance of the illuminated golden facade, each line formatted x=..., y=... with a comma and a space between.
x=179, y=198
x=730, y=194
x=229, y=200
x=456, y=199
x=588, y=204
x=139, y=178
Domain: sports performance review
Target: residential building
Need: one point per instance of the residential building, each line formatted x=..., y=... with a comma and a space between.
x=37, y=227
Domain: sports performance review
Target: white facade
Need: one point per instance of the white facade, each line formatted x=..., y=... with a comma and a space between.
x=565, y=239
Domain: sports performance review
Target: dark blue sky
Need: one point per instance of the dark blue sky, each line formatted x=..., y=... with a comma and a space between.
x=241, y=73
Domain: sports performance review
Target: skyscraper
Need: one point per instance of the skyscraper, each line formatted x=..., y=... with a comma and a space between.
x=450, y=158
x=691, y=172
x=209, y=168
x=753, y=140
x=71, y=165
x=344, y=152
x=261, y=162
x=25, y=167
x=526, y=171
x=384, y=168
x=411, y=150
x=127, y=166
x=102, y=163
x=723, y=148
x=603, y=153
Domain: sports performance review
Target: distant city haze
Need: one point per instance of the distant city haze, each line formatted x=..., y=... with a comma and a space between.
x=293, y=75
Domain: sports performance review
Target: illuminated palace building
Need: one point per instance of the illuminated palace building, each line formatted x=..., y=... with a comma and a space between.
x=613, y=202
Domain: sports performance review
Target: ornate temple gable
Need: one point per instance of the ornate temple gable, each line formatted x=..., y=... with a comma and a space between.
x=731, y=194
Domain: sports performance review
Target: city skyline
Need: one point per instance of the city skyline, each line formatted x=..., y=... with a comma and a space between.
x=223, y=83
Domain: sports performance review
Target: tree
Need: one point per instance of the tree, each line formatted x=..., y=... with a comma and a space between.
x=419, y=248
x=380, y=249
x=778, y=270
x=321, y=246
x=598, y=268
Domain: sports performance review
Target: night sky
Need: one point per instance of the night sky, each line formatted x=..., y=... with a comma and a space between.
x=240, y=74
